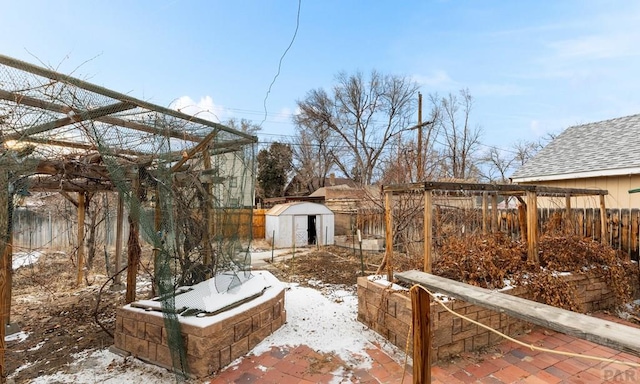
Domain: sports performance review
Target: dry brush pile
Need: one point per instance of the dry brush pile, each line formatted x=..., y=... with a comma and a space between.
x=492, y=261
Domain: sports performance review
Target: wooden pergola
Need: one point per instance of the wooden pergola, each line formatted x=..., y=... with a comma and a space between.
x=526, y=193
x=62, y=134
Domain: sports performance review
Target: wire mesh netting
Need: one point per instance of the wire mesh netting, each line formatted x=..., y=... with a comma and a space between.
x=187, y=183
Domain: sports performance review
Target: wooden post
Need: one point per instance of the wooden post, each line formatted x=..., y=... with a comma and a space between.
x=532, y=226
x=485, y=212
x=81, y=214
x=133, y=244
x=568, y=219
x=428, y=230
x=494, y=213
x=8, y=256
x=157, y=226
x=420, y=167
x=421, y=336
x=208, y=219
x=118, y=261
x=4, y=268
x=388, y=224
x=603, y=221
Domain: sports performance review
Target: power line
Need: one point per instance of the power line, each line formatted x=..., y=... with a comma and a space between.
x=295, y=33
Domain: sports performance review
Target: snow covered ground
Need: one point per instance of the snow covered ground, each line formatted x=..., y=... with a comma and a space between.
x=323, y=318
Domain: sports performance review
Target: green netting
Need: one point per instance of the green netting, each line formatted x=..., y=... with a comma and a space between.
x=187, y=183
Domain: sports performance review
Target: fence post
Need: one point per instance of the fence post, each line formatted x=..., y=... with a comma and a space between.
x=361, y=257
x=532, y=226
x=421, y=336
x=603, y=221
x=273, y=244
x=428, y=230
x=388, y=224
x=81, y=214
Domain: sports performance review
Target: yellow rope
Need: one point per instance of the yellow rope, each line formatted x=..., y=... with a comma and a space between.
x=531, y=346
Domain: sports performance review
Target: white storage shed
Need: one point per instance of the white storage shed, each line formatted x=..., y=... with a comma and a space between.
x=300, y=224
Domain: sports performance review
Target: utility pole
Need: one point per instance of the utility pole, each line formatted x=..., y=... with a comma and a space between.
x=420, y=175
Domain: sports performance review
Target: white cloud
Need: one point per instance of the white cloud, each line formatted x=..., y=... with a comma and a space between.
x=204, y=109
x=437, y=79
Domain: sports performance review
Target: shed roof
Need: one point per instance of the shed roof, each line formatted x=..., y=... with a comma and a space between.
x=604, y=148
x=299, y=208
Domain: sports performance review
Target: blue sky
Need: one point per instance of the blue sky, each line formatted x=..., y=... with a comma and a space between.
x=532, y=66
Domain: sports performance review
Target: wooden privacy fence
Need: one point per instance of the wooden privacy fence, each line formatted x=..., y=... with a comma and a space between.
x=33, y=230
x=259, y=223
x=622, y=225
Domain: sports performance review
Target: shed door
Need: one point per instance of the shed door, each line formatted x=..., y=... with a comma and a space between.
x=300, y=231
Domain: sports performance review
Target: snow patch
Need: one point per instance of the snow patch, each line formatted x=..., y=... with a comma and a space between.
x=23, y=259
x=20, y=337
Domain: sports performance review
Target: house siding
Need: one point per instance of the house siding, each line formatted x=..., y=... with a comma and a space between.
x=617, y=186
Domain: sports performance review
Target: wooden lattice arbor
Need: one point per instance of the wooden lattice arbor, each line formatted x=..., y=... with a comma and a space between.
x=62, y=134
x=527, y=194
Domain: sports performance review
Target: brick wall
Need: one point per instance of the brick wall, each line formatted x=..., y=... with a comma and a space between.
x=208, y=349
x=389, y=313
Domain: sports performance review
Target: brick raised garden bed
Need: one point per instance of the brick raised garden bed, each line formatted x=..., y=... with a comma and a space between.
x=388, y=312
x=211, y=342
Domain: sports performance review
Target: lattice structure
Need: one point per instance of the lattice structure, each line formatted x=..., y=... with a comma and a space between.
x=187, y=183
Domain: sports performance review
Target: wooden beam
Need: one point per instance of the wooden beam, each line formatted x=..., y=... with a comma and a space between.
x=202, y=145
x=474, y=187
x=118, y=256
x=81, y=214
x=388, y=225
x=53, y=75
x=421, y=317
x=617, y=336
x=177, y=134
x=603, y=221
x=532, y=227
x=54, y=184
x=76, y=118
x=428, y=231
x=69, y=144
x=37, y=103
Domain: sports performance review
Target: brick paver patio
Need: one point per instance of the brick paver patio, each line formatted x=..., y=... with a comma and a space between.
x=507, y=362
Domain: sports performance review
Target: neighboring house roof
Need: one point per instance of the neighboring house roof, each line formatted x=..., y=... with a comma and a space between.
x=604, y=148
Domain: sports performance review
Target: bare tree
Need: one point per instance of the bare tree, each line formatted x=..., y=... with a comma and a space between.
x=400, y=166
x=498, y=165
x=314, y=149
x=461, y=138
x=365, y=114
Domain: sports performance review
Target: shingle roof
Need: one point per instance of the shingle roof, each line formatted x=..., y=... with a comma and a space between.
x=610, y=147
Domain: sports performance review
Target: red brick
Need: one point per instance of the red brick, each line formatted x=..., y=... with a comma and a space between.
x=571, y=366
x=547, y=377
x=511, y=374
x=481, y=369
